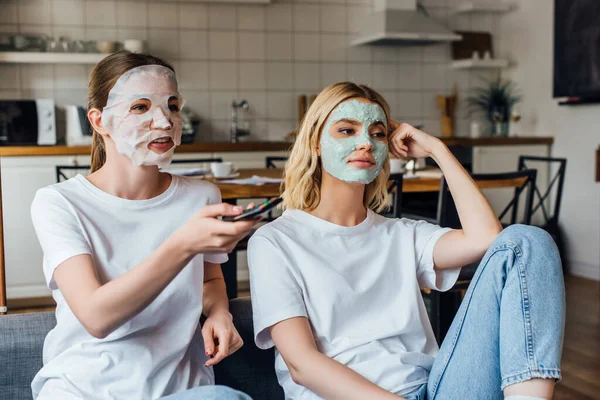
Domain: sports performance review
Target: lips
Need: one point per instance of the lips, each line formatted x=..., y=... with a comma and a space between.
x=362, y=160
x=161, y=145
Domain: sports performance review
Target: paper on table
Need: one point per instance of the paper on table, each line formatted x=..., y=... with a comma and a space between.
x=254, y=180
x=186, y=171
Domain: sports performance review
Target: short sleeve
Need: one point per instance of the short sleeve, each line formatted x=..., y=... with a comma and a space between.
x=426, y=236
x=276, y=294
x=58, y=230
x=214, y=197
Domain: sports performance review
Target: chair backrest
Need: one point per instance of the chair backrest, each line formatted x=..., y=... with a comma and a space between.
x=395, y=191
x=523, y=183
x=61, y=169
x=555, y=186
x=270, y=161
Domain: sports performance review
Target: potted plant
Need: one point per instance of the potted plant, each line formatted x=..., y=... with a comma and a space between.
x=495, y=101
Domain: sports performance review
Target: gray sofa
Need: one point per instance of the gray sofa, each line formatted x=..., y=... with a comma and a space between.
x=250, y=370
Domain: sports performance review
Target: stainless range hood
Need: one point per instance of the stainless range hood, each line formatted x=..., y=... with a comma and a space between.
x=400, y=22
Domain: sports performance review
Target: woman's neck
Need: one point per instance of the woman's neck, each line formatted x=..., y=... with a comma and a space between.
x=119, y=177
x=341, y=202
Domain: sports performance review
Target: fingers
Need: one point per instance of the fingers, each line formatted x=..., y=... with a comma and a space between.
x=209, y=343
x=224, y=338
x=250, y=206
x=217, y=210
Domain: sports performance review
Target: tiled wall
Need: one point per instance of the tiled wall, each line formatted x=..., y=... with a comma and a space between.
x=267, y=55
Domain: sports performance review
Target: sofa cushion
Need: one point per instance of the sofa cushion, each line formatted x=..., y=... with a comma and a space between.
x=250, y=369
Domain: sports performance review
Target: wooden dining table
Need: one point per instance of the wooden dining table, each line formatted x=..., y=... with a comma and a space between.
x=419, y=182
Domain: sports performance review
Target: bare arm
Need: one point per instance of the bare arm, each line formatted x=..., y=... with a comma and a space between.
x=102, y=308
x=323, y=375
x=480, y=226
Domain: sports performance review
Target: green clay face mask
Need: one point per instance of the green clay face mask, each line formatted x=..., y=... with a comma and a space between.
x=335, y=152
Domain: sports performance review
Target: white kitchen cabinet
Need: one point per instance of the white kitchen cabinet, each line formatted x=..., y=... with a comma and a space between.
x=21, y=178
x=494, y=159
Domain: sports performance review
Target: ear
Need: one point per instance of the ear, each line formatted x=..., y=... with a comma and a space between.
x=95, y=117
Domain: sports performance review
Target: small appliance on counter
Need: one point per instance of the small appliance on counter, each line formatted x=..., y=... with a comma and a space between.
x=77, y=126
x=28, y=123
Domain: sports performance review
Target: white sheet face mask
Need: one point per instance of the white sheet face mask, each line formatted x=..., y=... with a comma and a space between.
x=131, y=130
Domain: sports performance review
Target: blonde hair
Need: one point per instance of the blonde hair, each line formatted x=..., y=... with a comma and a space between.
x=303, y=170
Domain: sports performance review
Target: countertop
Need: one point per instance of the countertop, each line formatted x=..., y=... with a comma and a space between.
x=213, y=147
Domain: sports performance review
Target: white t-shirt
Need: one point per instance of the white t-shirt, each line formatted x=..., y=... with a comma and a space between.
x=150, y=355
x=359, y=288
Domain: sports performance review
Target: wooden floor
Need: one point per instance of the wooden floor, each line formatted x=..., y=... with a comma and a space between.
x=581, y=352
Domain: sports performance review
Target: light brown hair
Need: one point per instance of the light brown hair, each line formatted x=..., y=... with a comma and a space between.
x=102, y=79
x=303, y=170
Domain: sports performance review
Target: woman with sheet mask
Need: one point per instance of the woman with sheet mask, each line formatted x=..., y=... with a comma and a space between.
x=336, y=287
x=132, y=255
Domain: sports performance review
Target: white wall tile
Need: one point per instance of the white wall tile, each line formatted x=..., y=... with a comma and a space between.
x=222, y=45
x=384, y=54
x=100, y=13
x=35, y=29
x=193, y=75
x=100, y=34
x=434, y=77
x=132, y=13
x=253, y=75
x=333, y=18
x=11, y=94
x=193, y=16
x=193, y=45
x=34, y=12
x=306, y=76
x=281, y=105
x=279, y=17
x=37, y=76
x=163, y=15
x=223, y=75
x=306, y=46
x=257, y=101
x=70, y=96
x=219, y=130
x=221, y=17
x=410, y=104
x=251, y=18
x=70, y=77
x=390, y=98
x=9, y=77
x=199, y=102
x=409, y=54
x=430, y=108
x=280, y=76
x=361, y=74
x=439, y=53
x=70, y=32
x=356, y=17
x=333, y=47
x=252, y=45
x=67, y=12
x=277, y=130
x=259, y=130
x=384, y=76
x=220, y=104
x=333, y=73
x=9, y=13
x=359, y=53
x=432, y=126
x=408, y=76
x=132, y=33
x=279, y=46
x=164, y=43
x=306, y=17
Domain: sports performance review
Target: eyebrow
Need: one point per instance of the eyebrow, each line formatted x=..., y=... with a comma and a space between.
x=348, y=121
x=378, y=123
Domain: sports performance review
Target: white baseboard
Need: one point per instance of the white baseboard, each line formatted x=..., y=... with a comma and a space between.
x=26, y=291
x=584, y=270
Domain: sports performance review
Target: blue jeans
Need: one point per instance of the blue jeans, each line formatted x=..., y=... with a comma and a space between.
x=209, y=393
x=510, y=325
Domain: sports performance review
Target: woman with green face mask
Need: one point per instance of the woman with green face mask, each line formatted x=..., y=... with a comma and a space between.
x=336, y=286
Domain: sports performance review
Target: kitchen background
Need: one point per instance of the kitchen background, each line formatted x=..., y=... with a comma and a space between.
x=267, y=55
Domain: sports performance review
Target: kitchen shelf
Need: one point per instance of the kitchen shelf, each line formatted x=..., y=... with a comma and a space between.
x=479, y=64
x=470, y=7
x=50, y=58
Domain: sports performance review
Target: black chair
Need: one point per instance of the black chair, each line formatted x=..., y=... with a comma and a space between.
x=443, y=306
x=542, y=200
x=394, y=189
x=270, y=161
x=197, y=160
x=60, y=171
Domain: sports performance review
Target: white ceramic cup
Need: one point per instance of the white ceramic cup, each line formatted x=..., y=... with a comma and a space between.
x=221, y=169
x=135, y=45
x=396, y=165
